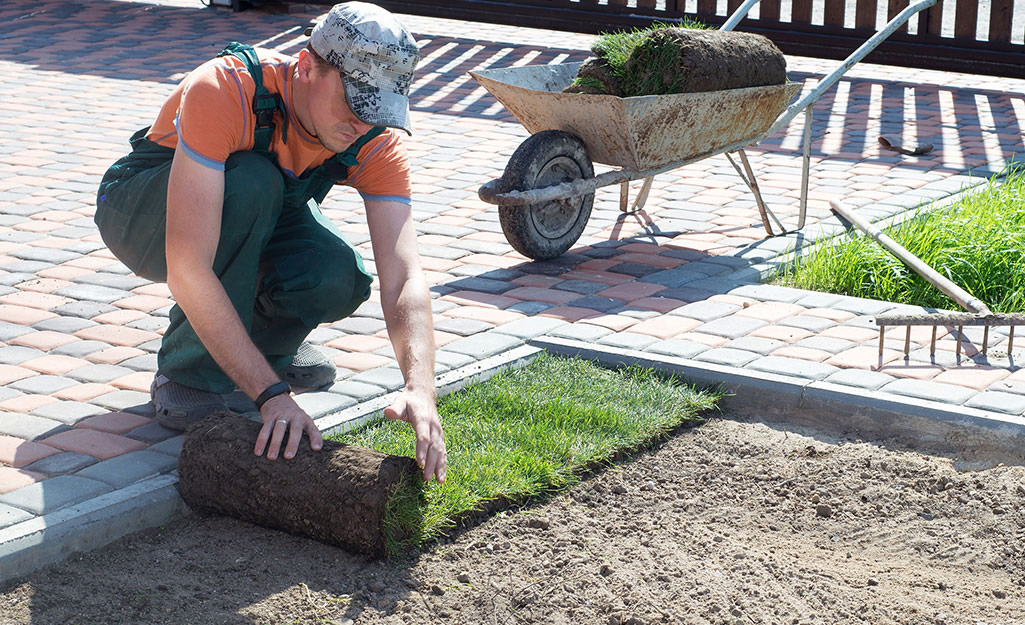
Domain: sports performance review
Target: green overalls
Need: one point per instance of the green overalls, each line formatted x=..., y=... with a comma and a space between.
x=285, y=267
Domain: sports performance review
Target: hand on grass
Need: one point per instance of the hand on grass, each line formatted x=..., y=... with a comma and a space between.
x=420, y=410
x=281, y=416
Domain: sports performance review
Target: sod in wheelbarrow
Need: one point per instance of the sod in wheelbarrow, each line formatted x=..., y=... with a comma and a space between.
x=527, y=433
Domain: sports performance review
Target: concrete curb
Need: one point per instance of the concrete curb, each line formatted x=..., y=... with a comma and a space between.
x=44, y=540
x=977, y=438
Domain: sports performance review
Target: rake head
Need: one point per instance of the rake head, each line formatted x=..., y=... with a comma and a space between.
x=950, y=320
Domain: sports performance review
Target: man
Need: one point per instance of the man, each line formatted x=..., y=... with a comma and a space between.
x=220, y=199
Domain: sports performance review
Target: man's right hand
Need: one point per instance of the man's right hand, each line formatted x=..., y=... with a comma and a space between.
x=283, y=417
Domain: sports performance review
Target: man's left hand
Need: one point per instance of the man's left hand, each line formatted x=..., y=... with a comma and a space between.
x=420, y=410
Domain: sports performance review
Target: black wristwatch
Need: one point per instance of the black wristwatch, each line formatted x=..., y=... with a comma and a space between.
x=278, y=388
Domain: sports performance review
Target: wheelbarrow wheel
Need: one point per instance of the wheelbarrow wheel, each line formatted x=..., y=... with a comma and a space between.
x=546, y=229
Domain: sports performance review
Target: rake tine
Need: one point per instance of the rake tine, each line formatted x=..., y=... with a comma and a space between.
x=907, y=342
x=881, y=330
x=985, y=339
x=960, y=334
x=932, y=346
x=1010, y=342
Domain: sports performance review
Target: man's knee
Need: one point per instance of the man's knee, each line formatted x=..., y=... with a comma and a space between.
x=324, y=283
x=253, y=192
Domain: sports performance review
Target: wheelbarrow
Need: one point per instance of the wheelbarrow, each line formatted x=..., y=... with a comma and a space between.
x=546, y=192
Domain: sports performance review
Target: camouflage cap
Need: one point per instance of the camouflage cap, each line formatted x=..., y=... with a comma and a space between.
x=376, y=56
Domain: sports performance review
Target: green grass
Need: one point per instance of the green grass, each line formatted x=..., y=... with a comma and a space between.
x=978, y=243
x=528, y=432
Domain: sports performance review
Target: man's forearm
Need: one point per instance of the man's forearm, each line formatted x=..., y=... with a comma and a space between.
x=408, y=316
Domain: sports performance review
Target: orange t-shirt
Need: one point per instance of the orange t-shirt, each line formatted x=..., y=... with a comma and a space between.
x=210, y=116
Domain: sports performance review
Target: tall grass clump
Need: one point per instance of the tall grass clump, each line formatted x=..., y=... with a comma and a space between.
x=978, y=243
x=532, y=431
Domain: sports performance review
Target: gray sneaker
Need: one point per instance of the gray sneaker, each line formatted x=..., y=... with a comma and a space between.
x=309, y=368
x=178, y=406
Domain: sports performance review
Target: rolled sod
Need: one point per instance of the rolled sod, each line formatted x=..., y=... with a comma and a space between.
x=342, y=495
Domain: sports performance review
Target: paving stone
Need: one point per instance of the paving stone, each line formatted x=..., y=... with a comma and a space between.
x=581, y=332
x=933, y=391
x=150, y=324
x=54, y=494
x=9, y=515
x=583, y=287
x=93, y=293
x=28, y=427
x=628, y=340
x=99, y=373
x=10, y=331
x=68, y=325
x=150, y=346
x=530, y=308
x=360, y=391
x=85, y=310
x=439, y=306
x=860, y=306
x=171, y=447
x=42, y=384
x=674, y=278
x=706, y=311
x=677, y=348
x=711, y=286
x=10, y=279
x=731, y=327
x=129, y=401
x=635, y=313
x=1008, y=386
x=16, y=354
x=319, y=336
x=727, y=356
x=112, y=281
x=769, y=292
x=483, y=345
x=129, y=468
x=530, y=327
x=69, y=412
x=462, y=327
x=1007, y=403
x=146, y=362
x=389, y=378
x=636, y=270
x=44, y=254
x=868, y=380
x=27, y=266
x=318, y=404
x=61, y=464
x=594, y=302
x=793, y=367
x=757, y=344
x=372, y=310
x=451, y=360
x=807, y=322
x=483, y=285
x=152, y=433
x=818, y=300
x=80, y=349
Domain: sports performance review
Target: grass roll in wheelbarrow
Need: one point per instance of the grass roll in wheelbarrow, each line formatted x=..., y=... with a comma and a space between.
x=342, y=495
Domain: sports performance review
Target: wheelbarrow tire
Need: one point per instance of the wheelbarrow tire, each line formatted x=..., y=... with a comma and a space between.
x=546, y=229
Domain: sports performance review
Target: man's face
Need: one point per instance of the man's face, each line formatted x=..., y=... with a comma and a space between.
x=334, y=124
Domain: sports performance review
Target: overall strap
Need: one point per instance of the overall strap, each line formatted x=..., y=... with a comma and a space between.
x=337, y=167
x=264, y=102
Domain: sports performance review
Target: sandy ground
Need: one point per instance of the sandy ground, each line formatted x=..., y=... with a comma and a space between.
x=735, y=522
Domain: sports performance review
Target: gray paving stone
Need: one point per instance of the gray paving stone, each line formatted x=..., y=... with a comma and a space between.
x=1008, y=386
x=530, y=308
x=27, y=266
x=171, y=447
x=150, y=346
x=366, y=309
x=129, y=468
x=793, y=367
x=11, y=279
x=319, y=336
x=594, y=302
x=826, y=344
x=439, y=290
x=69, y=412
x=61, y=464
x=711, y=286
x=152, y=433
x=53, y=494
x=757, y=344
x=80, y=349
x=530, y=327
x=360, y=391
x=807, y=322
x=29, y=427
x=769, y=293
x=483, y=285
x=9, y=515
x=93, y=293
x=860, y=306
x=862, y=321
x=150, y=324
x=44, y=254
x=933, y=391
x=868, y=380
x=122, y=400
x=731, y=327
x=628, y=340
x=439, y=306
x=443, y=252
x=112, y=281
x=451, y=360
x=85, y=310
x=583, y=287
x=637, y=270
x=69, y=325
x=320, y=403
x=705, y=311
x=677, y=348
x=727, y=356
x=389, y=378
x=674, y=278
x=1007, y=403
x=818, y=300
x=42, y=384
x=10, y=331
x=462, y=327
x=16, y=354
x=482, y=345
x=634, y=313
x=581, y=332
x=146, y=362
x=99, y=373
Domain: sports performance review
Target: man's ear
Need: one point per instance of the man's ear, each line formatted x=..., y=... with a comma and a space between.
x=305, y=64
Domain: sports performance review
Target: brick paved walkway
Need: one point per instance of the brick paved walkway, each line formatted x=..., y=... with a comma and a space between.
x=677, y=282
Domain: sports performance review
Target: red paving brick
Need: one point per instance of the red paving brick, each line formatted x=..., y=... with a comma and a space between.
x=772, y=312
x=617, y=323
x=93, y=443
x=974, y=376
x=786, y=334
x=113, y=355
x=571, y=314
x=705, y=339
x=361, y=362
x=12, y=373
x=476, y=298
x=12, y=479
x=358, y=343
x=665, y=327
x=632, y=291
x=487, y=315
x=117, y=335
x=863, y=357
x=15, y=452
x=26, y=403
x=85, y=392
x=137, y=381
x=55, y=365
x=802, y=353
x=22, y=315
x=548, y=296
x=114, y=422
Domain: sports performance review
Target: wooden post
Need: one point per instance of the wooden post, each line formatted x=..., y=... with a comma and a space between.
x=834, y=13
x=966, y=20
x=769, y=10
x=337, y=495
x=800, y=12
x=865, y=14
x=895, y=7
x=1000, y=12
x=706, y=7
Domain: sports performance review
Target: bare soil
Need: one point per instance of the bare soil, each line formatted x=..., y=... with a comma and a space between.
x=736, y=522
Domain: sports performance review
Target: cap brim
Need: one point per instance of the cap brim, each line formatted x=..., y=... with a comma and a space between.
x=377, y=107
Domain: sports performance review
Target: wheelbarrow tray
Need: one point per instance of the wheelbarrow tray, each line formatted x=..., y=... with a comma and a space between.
x=638, y=133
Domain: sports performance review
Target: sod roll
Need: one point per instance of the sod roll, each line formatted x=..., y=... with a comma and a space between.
x=339, y=495
x=685, y=60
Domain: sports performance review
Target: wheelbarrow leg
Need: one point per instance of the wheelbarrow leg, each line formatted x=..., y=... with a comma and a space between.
x=748, y=176
x=642, y=195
